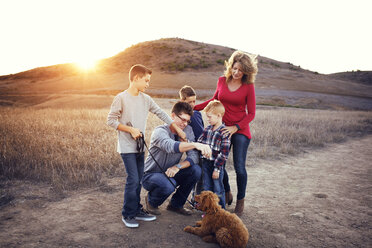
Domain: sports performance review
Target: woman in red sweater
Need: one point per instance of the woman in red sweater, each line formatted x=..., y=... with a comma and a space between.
x=236, y=92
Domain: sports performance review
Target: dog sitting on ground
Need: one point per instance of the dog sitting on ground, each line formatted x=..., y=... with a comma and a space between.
x=218, y=225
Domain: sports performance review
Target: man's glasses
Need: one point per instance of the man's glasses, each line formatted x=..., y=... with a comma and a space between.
x=184, y=120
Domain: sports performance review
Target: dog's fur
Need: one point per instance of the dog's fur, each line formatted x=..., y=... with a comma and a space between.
x=218, y=225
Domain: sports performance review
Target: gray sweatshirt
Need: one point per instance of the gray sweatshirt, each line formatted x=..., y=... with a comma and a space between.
x=165, y=149
x=127, y=108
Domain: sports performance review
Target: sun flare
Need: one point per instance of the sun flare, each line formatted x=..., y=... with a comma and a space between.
x=86, y=65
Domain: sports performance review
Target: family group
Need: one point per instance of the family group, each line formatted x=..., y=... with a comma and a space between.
x=185, y=157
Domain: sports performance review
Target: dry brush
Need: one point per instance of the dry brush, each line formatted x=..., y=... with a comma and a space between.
x=74, y=147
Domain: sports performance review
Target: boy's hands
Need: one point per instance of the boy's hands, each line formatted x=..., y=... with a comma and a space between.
x=205, y=150
x=135, y=132
x=180, y=133
x=215, y=175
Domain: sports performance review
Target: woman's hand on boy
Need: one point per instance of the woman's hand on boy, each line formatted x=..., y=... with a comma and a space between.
x=230, y=130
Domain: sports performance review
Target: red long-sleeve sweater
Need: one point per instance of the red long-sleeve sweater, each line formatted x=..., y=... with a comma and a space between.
x=240, y=105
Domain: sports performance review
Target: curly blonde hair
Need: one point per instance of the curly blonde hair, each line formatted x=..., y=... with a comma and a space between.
x=248, y=63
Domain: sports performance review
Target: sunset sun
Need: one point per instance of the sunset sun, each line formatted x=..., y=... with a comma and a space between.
x=86, y=64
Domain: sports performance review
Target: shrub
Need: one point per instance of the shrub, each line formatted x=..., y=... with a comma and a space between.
x=220, y=61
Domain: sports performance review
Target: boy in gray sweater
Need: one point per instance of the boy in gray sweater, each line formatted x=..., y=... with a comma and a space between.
x=128, y=115
x=165, y=154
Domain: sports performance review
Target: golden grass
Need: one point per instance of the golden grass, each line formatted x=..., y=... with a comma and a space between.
x=66, y=147
x=288, y=131
x=74, y=147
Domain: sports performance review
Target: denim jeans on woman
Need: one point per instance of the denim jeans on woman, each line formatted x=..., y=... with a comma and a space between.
x=239, y=143
x=160, y=188
x=214, y=185
x=134, y=164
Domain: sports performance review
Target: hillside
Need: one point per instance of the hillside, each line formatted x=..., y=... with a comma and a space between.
x=364, y=77
x=176, y=62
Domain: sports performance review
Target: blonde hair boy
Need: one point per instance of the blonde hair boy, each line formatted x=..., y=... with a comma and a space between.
x=213, y=168
x=215, y=107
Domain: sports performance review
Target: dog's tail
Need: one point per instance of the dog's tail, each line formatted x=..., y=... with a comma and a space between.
x=226, y=239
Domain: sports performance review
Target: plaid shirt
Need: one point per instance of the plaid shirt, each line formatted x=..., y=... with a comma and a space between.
x=219, y=143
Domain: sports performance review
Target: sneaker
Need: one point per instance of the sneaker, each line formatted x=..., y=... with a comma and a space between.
x=182, y=211
x=151, y=209
x=145, y=216
x=130, y=222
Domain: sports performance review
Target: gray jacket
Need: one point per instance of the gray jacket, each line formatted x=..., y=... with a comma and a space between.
x=165, y=149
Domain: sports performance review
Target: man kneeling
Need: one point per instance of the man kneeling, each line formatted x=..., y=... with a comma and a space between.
x=165, y=154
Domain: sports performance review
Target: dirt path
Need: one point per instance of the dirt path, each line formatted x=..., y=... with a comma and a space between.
x=318, y=199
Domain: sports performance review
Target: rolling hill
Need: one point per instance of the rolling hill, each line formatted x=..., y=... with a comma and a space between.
x=176, y=62
x=363, y=77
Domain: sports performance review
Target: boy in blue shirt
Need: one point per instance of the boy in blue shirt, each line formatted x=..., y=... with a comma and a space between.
x=187, y=94
x=128, y=115
x=212, y=135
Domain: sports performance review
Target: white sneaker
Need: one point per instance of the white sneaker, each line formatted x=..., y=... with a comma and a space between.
x=130, y=222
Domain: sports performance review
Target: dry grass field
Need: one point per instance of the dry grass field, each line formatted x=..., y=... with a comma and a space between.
x=73, y=147
x=61, y=182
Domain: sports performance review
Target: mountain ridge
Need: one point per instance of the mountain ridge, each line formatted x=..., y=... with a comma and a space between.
x=175, y=62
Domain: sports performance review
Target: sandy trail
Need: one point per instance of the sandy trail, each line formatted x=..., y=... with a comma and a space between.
x=319, y=199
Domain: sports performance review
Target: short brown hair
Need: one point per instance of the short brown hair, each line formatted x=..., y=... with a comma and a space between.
x=216, y=107
x=138, y=70
x=186, y=91
x=182, y=107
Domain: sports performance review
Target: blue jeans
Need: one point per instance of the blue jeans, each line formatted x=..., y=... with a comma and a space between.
x=214, y=185
x=160, y=188
x=134, y=164
x=239, y=143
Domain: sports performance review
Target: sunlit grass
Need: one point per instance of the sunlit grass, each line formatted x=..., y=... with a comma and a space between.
x=289, y=131
x=74, y=147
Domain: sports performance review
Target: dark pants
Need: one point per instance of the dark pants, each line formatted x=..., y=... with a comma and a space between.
x=160, y=188
x=134, y=164
x=197, y=189
x=239, y=143
x=214, y=185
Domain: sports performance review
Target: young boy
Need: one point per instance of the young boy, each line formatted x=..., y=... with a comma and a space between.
x=187, y=94
x=220, y=145
x=128, y=115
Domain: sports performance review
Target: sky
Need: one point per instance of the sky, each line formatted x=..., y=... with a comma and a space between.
x=325, y=36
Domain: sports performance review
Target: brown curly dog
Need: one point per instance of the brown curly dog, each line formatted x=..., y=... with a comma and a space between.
x=218, y=225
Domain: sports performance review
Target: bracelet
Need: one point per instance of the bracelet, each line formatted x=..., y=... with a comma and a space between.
x=216, y=169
